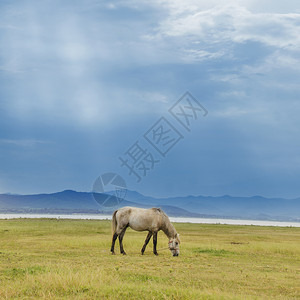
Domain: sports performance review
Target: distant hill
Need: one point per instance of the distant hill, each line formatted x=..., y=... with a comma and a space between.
x=255, y=207
x=69, y=201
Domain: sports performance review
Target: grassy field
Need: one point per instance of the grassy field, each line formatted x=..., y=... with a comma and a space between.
x=49, y=258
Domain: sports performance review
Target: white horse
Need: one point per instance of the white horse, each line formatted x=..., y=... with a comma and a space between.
x=139, y=219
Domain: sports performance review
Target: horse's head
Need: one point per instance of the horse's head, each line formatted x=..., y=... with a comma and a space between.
x=174, y=245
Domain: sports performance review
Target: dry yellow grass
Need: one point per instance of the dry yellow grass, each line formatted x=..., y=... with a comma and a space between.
x=59, y=259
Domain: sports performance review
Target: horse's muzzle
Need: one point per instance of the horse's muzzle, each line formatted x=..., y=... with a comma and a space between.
x=175, y=254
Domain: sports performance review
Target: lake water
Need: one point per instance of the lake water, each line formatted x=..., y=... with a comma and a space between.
x=173, y=219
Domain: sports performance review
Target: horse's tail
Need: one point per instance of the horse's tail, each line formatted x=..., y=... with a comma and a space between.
x=114, y=222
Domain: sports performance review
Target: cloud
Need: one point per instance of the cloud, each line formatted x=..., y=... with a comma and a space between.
x=67, y=66
x=233, y=23
x=24, y=142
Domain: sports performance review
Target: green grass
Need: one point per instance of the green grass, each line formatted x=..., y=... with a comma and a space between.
x=58, y=259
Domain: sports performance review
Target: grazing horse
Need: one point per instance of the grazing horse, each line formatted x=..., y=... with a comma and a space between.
x=139, y=219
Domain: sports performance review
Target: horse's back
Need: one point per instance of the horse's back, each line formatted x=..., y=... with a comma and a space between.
x=128, y=210
x=139, y=219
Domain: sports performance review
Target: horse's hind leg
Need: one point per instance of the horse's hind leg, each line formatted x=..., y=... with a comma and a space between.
x=121, y=240
x=112, y=249
x=146, y=241
x=154, y=243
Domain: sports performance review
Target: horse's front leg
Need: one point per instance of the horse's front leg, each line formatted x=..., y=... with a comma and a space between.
x=146, y=242
x=154, y=243
x=121, y=241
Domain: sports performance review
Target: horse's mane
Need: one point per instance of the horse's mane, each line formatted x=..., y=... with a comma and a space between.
x=160, y=211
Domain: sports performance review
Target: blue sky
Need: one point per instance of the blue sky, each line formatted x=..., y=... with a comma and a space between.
x=81, y=81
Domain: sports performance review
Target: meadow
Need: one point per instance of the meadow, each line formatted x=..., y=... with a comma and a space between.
x=70, y=259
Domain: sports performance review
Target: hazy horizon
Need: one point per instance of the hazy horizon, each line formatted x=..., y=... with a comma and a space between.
x=153, y=196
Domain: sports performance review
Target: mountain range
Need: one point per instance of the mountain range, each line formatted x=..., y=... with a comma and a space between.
x=69, y=201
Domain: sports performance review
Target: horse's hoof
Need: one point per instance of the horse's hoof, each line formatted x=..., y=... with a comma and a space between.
x=124, y=253
x=155, y=253
x=113, y=253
